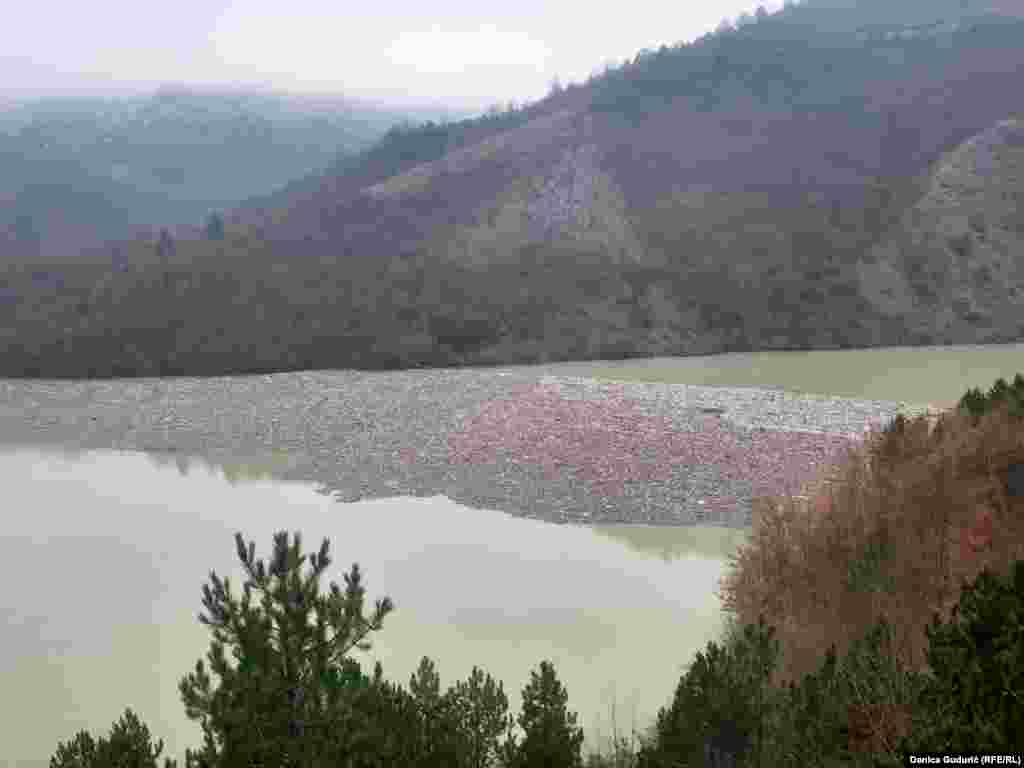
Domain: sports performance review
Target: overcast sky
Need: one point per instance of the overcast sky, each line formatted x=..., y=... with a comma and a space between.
x=460, y=53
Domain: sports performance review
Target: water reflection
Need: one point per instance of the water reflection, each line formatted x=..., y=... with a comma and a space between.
x=115, y=548
x=672, y=543
x=667, y=544
x=235, y=471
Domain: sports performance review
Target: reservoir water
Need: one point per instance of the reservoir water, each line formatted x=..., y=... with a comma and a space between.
x=106, y=555
x=902, y=374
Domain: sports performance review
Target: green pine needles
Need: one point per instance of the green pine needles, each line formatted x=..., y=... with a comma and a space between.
x=978, y=404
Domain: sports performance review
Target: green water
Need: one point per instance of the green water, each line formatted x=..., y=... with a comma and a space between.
x=906, y=374
x=128, y=541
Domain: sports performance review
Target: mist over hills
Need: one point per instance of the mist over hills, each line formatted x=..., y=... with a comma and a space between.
x=835, y=174
x=79, y=171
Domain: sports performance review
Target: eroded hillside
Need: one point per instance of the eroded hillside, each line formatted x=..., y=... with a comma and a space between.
x=955, y=266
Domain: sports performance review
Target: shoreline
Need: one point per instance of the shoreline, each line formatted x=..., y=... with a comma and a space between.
x=383, y=434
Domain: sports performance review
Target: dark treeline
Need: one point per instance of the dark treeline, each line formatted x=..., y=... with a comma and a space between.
x=223, y=306
x=232, y=302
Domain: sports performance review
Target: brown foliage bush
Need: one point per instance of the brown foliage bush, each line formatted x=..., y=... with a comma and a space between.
x=913, y=512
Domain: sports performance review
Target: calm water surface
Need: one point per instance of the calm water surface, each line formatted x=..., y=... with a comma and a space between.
x=902, y=374
x=109, y=552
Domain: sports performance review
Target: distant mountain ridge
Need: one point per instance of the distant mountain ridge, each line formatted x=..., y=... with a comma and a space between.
x=78, y=172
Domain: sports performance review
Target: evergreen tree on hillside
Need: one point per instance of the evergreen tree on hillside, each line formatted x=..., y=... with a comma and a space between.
x=129, y=745
x=165, y=245
x=551, y=737
x=718, y=712
x=975, y=694
x=434, y=717
x=28, y=234
x=214, y=226
x=282, y=699
x=481, y=712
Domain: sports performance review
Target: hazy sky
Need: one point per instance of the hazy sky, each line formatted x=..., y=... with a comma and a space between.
x=461, y=53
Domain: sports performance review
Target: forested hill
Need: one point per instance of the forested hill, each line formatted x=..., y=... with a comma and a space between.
x=834, y=174
x=734, y=109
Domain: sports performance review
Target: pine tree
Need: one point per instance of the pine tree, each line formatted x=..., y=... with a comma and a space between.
x=551, y=738
x=435, y=718
x=281, y=701
x=481, y=710
x=129, y=745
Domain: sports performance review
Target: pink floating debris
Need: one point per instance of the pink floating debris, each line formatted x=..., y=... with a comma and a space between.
x=603, y=440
